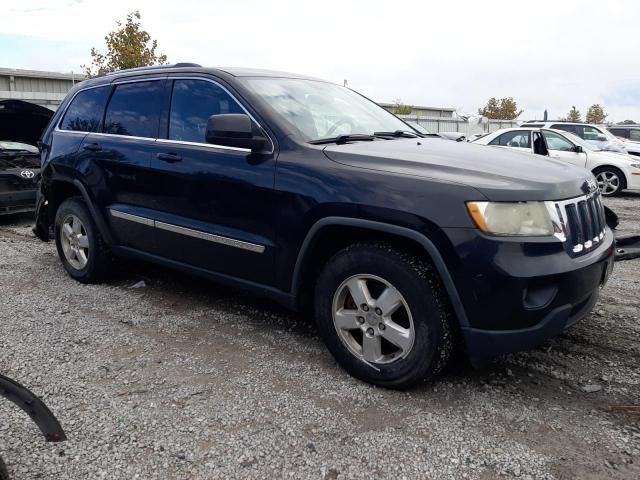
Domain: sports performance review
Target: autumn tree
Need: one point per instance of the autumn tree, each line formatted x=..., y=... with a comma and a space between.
x=500, y=109
x=574, y=115
x=400, y=108
x=596, y=114
x=127, y=47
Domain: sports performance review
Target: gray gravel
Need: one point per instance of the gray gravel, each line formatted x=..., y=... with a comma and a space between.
x=181, y=378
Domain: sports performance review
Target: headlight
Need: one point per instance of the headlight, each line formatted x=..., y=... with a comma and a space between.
x=511, y=218
x=635, y=165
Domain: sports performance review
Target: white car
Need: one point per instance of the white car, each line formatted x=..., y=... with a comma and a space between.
x=595, y=135
x=614, y=172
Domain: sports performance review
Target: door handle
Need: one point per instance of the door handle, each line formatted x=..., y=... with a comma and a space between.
x=169, y=157
x=92, y=147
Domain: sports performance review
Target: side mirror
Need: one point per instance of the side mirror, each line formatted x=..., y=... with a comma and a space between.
x=234, y=130
x=578, y=149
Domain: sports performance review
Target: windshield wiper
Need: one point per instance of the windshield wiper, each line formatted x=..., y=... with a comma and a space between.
x=397, y=133
x=344, y=139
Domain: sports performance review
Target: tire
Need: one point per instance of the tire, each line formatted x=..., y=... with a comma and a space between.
x=424, y=314
x=94, y=263
x=4, y=475
x=608, y=178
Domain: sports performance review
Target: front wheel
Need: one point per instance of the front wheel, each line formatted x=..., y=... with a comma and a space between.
x=384, y=315
x=610, y=180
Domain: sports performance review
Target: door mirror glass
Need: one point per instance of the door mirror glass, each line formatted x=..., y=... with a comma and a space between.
x=234, y=130
x=578, y=149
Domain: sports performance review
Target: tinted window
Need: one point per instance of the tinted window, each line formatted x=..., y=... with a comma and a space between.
x=556, y=142
x=517, y=138
x=86, y=110
x=634, y=135
x=192, y=103
x=620, y=132
x=134, y=109
x=569, y=128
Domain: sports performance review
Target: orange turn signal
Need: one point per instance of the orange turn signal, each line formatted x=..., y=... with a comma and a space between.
x=476, y=215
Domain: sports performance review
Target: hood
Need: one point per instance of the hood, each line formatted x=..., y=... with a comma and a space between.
x=499, y=174
x=614, y=158
x=23, y=121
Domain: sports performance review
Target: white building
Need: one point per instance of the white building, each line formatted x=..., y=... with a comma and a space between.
x=47, y=89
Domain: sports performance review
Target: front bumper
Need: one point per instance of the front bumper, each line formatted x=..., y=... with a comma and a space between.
x=18, y=201
x=518, y=293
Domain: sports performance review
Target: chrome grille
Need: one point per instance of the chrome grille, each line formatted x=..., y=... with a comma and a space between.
x=581, y=222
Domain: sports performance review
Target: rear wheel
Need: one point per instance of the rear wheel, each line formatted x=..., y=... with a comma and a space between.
x=80, y=246
x=384, y=315
x=610, y=180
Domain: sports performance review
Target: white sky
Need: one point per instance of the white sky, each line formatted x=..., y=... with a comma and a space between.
x=546, y=54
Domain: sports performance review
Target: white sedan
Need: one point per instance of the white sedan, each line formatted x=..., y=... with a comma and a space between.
x=614, y=172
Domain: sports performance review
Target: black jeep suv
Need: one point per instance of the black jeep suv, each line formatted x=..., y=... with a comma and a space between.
x=307, y=192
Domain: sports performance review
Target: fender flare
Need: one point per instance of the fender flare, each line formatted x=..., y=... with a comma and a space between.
x=95, y=214
x=427, y=244
x=34, y=407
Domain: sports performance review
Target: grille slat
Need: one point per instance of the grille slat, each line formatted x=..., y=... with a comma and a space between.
x=585, y=224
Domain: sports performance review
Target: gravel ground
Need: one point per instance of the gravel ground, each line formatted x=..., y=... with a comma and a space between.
x=184, y=379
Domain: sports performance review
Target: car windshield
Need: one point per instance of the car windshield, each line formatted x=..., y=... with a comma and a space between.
x=8, y=147
x=578, y=141
x=321, y=110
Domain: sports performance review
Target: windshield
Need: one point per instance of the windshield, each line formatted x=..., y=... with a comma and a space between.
x=320, y=110
x=578, y=141
x=17, y=146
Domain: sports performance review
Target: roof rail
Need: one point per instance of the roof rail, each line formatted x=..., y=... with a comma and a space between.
x=156, y=67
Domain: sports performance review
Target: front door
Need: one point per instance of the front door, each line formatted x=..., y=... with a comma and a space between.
x=562, y=149
x=214, y=203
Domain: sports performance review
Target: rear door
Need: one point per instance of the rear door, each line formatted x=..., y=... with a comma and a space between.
x=562, y=149
x=119, y=159
x=215, y=204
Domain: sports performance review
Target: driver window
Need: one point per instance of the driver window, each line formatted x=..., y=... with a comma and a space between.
x=591, y=133
x=556, y=142
x=192, y=103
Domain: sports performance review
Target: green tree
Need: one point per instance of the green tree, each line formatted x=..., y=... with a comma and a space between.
x=402, y=109
x=127, y=47
x=628, y=122
x=500, y=109
x=596, y=114
x=574, y=115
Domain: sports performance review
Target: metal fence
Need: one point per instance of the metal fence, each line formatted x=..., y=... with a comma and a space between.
x=437, y=125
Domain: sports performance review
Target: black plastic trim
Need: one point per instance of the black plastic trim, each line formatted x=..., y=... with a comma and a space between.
x=427, y=244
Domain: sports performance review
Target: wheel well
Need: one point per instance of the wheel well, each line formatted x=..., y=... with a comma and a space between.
x=333, y=238
x=623, y=178
x=60, y=192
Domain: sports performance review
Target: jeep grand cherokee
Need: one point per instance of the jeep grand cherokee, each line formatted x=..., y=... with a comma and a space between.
x=308, y=192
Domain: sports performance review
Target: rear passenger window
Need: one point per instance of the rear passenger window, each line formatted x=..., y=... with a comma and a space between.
x=192, y=103
x=134, y=109
x=516, y=138
x=86, y=110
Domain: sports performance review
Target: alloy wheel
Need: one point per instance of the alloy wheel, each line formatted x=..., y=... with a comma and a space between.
x=75, y=242
x=608, y=182
x=373, y=319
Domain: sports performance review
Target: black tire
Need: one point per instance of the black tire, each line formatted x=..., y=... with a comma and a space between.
x=419, y=283
x=615, y=171
x=4, y=475
x=99, y=259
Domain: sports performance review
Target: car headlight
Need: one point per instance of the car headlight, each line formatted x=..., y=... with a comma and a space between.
x=512, y=218
x=635, y=165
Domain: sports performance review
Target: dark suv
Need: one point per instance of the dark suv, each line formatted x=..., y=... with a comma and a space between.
x=309, y=193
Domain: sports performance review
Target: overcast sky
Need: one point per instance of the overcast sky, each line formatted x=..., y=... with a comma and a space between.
x=546, y=54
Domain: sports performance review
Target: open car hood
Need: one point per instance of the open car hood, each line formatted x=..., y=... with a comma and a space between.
x=23, y=121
